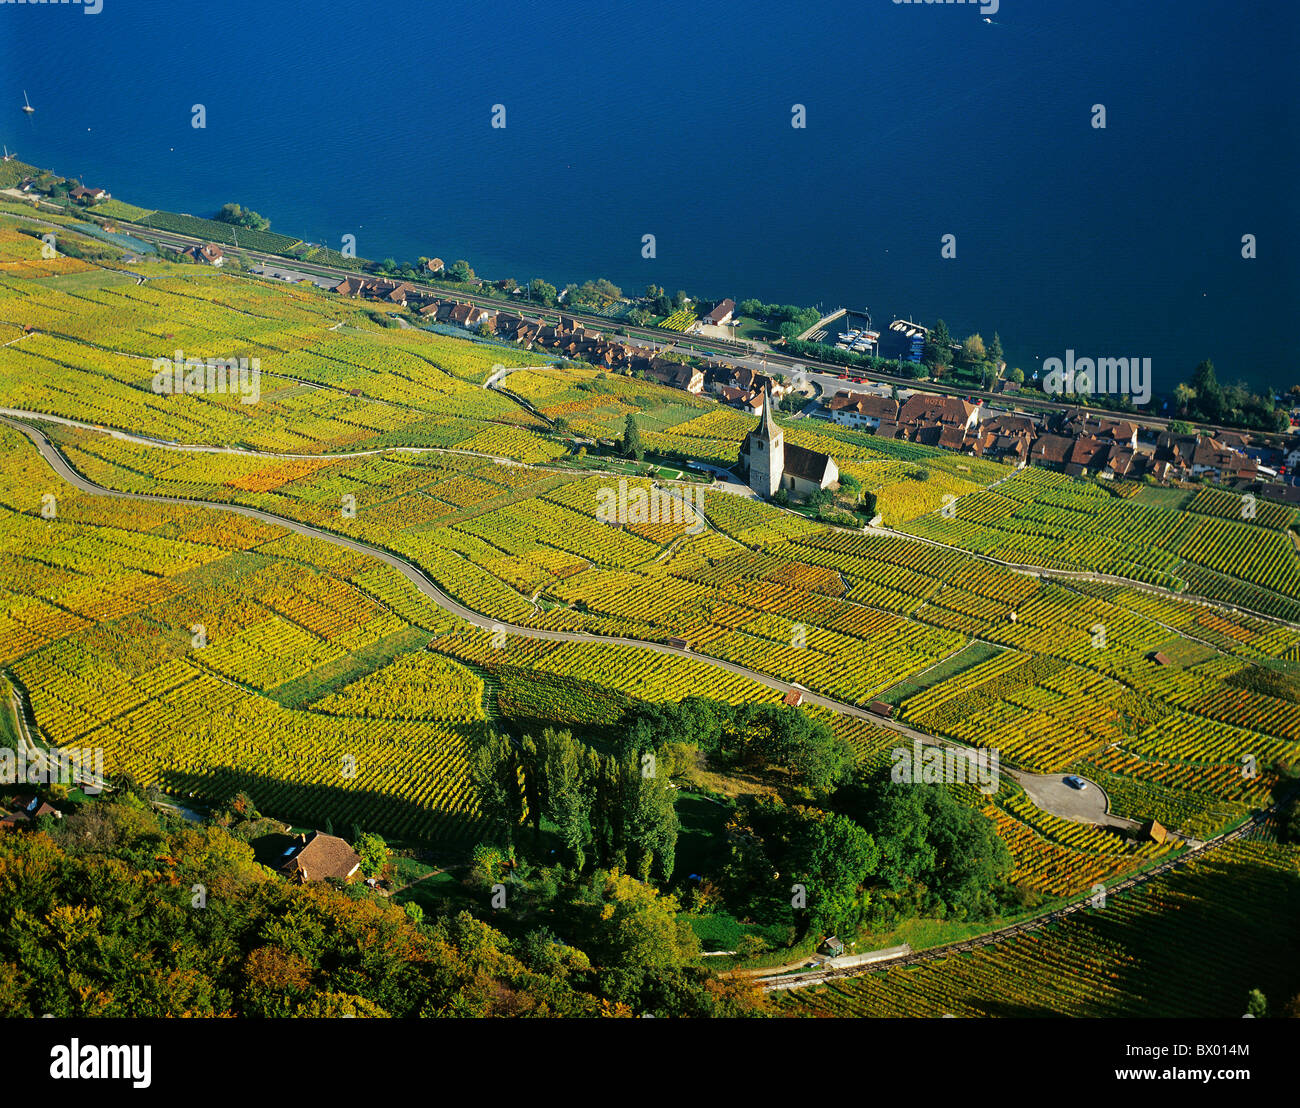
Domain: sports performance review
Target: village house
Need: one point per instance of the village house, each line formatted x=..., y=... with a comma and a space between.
x=742, y=387
x=1052, y=451
x=1082, y=453
x=1121, y=462
x=83, y=195
x=25, y=811
x=745, y=379
x=751, y=402
x=1176, y=450
x=922, y=410
x=1001, y=447
x=1004, y=438
x=317, y=856
x=1078, y=424
x=721, y=315
x=1213, y=457
x=861, y=409
x=673, y=374
x=400, y=293
x=351, y=286
x=209, y=253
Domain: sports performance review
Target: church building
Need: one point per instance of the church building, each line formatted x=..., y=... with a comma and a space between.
x=768, y=464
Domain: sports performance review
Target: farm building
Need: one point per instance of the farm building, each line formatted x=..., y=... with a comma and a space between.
x=318, y=856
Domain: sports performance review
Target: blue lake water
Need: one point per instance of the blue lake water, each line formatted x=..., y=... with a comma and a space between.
x=674, y=120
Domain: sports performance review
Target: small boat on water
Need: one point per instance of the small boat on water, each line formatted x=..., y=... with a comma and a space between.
x=27, y=104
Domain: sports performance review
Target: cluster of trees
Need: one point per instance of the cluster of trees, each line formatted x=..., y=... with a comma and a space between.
x=1229, y=405
x=978, y=358
x=592, y=294
x=876, y=852
x=459, y=270
x=108, y=922
x=613, y=809
x=791, y=320
x=608, y=932
x=801, y=751
x=851, y=506
x=238, y=216
x=659, y=304
x=56, y=188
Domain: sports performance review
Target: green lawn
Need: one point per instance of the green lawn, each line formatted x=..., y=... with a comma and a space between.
x=967, y=658
x=722, y=931
x=701, y=845
x=326, y=679
x=1172, y=499
x=433, y=891
x=755, y=330
x=612, y=463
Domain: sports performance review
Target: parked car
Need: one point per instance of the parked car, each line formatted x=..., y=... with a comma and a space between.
x=1076, y=782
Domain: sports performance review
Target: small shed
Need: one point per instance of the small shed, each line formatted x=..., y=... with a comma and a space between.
x=1154, y=831
x=792, y=699
x=679, y=644
x=880, y=708
x=833, y=947
x=1160, y=658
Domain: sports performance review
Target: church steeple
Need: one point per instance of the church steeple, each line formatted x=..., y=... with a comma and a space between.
x=767, y=425
x=765, y=450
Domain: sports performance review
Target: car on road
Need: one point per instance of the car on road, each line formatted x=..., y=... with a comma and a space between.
x=1076, y=782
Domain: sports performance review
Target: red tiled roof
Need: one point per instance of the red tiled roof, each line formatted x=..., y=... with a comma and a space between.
x=322, y=856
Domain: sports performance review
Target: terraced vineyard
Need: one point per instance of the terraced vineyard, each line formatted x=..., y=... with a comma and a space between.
x=850, y=615
x=160, y=634
x=1221, y=546
x=330, y=379
x=307, y=650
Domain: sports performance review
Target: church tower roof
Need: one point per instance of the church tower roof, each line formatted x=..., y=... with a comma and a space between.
x=767, y=424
